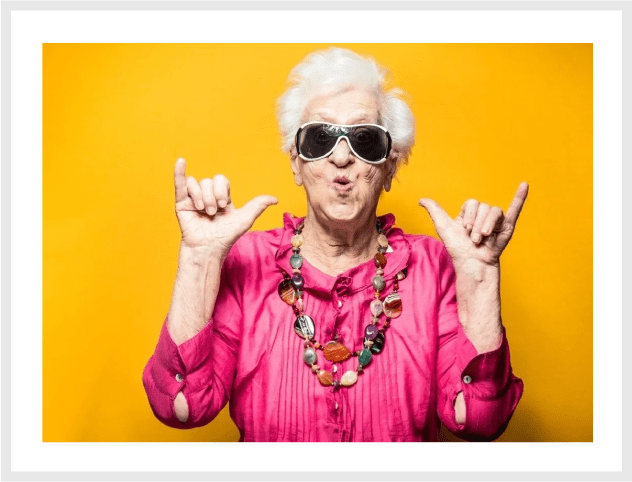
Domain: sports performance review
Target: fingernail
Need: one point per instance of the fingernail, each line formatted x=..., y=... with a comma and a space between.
x=469, y=227
x=200, y=205
x=211, y=210
x=221, y=203
x=476, y=237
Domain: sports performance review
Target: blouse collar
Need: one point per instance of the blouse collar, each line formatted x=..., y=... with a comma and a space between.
x=352, y=280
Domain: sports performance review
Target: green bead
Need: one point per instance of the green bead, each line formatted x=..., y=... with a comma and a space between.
x=296, y=261
x=365, y=357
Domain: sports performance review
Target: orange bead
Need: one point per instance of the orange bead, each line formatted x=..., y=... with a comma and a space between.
x=336, y=352
x=325, y=378
x=380, y=260
x=392, y=305
x=287, y=292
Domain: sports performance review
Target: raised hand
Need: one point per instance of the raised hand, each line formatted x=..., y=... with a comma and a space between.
x=479, y=233
x=206, y=214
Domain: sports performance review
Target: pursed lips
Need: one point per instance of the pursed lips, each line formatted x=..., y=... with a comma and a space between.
x=342, y=184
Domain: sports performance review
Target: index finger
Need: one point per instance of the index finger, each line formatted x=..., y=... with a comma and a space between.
x=516, y=205
x=180, y=180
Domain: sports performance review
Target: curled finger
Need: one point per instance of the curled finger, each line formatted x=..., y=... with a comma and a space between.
x=493, y=222
x=469, y=209
x=481, y=215
x=195, y=193
x=210, y=203
x=221, y=190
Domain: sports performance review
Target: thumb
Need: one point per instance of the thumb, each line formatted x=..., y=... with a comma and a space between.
x=253, y=208
x=439, y=217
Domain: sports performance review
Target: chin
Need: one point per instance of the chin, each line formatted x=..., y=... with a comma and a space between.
x=344, y=213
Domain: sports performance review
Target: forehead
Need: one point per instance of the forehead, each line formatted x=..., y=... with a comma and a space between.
x=349, y=106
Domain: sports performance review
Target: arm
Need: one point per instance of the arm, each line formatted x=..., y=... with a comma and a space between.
x=478, y=392
x=475, y=240
x=478, y=301
x=194, y=294
x=189, y=377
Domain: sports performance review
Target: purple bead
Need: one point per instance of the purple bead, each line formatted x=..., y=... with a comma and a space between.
x=370, y=332
x=298, y=281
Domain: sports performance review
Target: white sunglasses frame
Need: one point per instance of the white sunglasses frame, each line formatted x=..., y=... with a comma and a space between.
x=347, y=139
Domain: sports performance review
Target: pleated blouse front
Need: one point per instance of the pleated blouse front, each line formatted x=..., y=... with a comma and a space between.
x=250, y=355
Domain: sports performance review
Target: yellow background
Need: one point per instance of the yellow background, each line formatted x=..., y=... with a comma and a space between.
x=116, y=117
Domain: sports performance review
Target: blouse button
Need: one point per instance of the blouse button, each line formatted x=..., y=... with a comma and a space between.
x=344, y=282
x=179, y=378
x=339, y=303
x=467, y=379
x=336, y=406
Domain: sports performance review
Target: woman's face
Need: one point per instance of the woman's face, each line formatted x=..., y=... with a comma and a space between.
x=342, y=187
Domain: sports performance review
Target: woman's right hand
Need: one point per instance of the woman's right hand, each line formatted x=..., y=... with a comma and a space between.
x=206, y=214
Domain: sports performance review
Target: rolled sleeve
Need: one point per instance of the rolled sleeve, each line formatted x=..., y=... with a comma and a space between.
x=490, y=389
x=485, y=375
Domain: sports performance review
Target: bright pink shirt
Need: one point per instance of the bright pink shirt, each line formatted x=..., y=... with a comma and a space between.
x=249, y=353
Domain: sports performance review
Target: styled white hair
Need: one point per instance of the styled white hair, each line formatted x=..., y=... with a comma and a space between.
x=340, y=68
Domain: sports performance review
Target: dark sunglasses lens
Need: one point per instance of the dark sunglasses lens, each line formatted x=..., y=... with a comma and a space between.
x=315, y=141
x=369, y=142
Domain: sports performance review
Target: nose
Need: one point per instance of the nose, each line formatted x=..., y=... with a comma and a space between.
x=341, y=155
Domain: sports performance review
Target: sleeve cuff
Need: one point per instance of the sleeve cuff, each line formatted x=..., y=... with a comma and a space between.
x=485, y=375
x=174, y=362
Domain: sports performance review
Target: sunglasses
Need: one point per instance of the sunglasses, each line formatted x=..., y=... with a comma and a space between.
x=368, y=142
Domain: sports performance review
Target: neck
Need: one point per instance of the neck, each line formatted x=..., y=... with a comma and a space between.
x=336, y=247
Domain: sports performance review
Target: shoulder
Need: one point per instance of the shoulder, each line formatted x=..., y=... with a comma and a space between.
x=256, y=245
x=425, y=245
x=427, y=253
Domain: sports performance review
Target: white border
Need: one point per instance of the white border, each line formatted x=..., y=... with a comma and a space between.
x=270, y=5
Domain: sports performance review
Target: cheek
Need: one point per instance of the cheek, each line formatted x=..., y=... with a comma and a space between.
x=312, y=172
x=374, y=176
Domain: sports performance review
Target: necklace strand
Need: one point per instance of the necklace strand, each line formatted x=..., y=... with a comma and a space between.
x=291, y=291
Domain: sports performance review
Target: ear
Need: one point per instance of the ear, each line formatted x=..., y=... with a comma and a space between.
x=389, y=171
x=296, y=166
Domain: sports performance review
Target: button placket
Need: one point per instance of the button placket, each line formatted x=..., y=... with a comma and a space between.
x=332, y=406
x=336, y=404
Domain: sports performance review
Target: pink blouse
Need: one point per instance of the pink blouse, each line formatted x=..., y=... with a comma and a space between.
x=249, y=353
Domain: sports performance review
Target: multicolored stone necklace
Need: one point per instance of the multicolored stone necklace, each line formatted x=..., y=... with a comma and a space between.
x=291, y=291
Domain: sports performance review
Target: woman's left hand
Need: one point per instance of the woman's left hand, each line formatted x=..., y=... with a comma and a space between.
x=480, y=233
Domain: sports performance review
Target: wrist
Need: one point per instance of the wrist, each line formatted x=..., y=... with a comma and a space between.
x=478, y=301
x=202, y=254
x=477, y=271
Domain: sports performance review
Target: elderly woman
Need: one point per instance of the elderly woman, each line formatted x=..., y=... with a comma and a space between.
x=338, y=326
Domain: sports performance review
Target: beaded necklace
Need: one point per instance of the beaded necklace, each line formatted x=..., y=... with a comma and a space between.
x=291, y=292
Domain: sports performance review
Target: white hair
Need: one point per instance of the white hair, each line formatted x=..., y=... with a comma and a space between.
x=340, y=68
